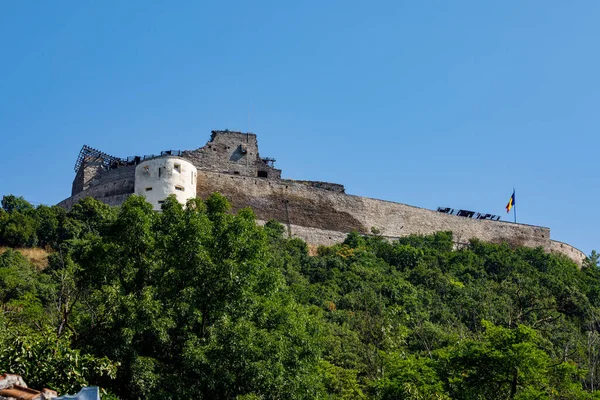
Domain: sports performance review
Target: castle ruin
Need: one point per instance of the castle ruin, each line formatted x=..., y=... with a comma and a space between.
x=320, y=213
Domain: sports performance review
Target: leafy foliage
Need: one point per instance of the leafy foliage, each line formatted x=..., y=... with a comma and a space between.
x=49, y=361
x=197, y=302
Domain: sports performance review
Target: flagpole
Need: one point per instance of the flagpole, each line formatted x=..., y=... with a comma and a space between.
x=515, y=205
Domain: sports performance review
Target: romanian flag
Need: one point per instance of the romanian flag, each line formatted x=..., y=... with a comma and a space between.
x=511, y=202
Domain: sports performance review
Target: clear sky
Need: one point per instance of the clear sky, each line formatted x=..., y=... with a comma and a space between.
x=429, y=103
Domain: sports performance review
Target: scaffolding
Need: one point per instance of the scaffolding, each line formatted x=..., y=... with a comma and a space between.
x=89, y=155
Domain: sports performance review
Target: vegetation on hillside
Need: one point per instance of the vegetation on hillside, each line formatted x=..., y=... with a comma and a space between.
x=197, y=302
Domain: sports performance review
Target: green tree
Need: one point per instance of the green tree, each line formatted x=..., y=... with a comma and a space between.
x=196, y=301
x=409, y=377
x=592, y=261
x=18, y=230
x=44, y=360
x=25, y=294
x=12, y=203
x=507, y=363
x=187, y=301
x=49, y=221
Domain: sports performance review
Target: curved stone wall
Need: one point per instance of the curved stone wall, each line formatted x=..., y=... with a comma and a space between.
x=321, y=216
x=158, y=178
x=115, y=200
x=324, y=217
x=573, y=253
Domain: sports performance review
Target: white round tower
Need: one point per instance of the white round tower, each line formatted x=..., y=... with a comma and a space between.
x=157, y=178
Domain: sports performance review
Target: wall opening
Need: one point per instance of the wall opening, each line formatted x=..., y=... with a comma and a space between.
x=263, y=174
x=148, y=189
x=177, y=167
x=180, y=188
x=159, y=172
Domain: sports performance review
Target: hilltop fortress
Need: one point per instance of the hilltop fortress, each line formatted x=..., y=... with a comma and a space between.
x=317, y=212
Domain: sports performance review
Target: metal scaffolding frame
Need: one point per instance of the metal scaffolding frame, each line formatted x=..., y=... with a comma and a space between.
x=91, y=155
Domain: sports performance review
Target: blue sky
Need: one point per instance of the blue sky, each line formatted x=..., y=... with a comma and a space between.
x=429, y=103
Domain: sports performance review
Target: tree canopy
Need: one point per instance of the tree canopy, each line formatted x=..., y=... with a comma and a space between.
x=199, y=302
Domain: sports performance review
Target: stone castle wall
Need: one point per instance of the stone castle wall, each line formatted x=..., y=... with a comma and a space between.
x=325, y=217
x=108, y=183
x=111, y=200
x=317, y=212
x=232, y=153
x=110, y=187
x=572, y=252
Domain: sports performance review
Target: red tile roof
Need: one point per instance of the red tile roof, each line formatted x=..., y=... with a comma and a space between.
x=21, y=393
x=13, y=387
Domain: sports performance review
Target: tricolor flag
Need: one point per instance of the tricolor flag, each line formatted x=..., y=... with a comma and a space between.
x=511, y=202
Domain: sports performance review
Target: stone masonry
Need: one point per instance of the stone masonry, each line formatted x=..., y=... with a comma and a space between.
x=317, y=212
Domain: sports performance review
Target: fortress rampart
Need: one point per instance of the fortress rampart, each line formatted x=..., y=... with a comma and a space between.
x=325, y=217
x=317, y=212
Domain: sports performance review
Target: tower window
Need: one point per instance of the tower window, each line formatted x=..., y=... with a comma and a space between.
x=148, y=189
x=178, y=168
x=263, y=174
x=192, y=175
x=180, y=188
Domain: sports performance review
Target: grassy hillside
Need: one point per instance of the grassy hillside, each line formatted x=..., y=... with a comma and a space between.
x=38, y=257
x=200, y=303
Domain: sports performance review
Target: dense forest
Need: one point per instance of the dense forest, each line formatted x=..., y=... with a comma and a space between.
x=198, y=302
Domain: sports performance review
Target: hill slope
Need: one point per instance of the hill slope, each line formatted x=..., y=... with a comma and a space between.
x=202, y=303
